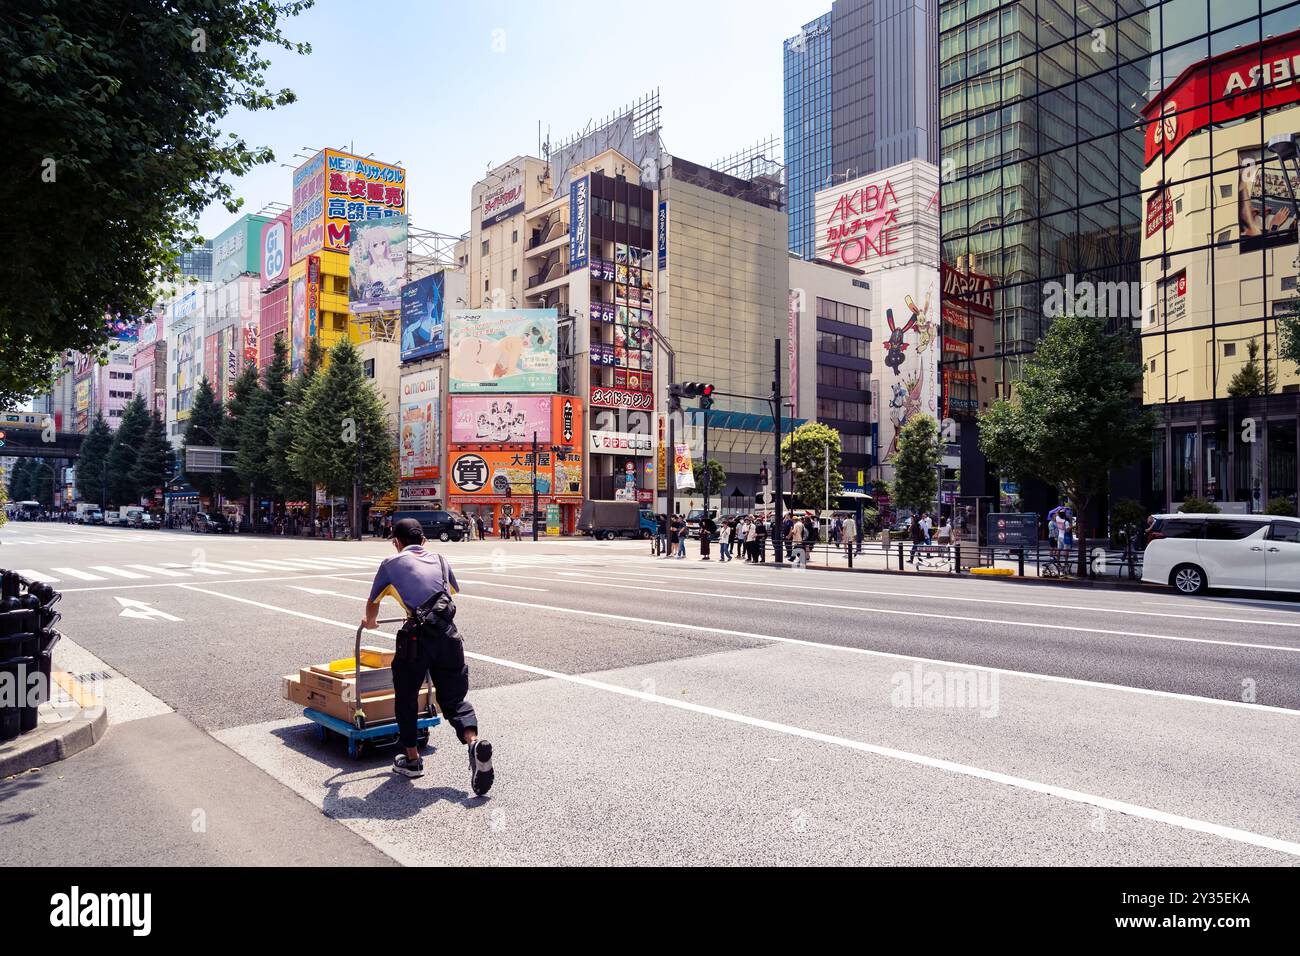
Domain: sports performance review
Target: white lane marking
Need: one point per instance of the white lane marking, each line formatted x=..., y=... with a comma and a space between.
x=117, y=572
x=198, y=568
x=278, y=565
x=1021, y=783
x=869, y=652
x=143, y=610
x=1037, y=625
x=1208, y=605
x=160, y=572
x=497, y=584
x=935, y=596
x=33, y=575
x=80, y=575
x=243, y=566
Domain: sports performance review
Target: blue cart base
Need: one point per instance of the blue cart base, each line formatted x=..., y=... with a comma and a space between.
x=372, y=735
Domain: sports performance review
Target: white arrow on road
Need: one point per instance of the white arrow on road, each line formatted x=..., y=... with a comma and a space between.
x=133, y=608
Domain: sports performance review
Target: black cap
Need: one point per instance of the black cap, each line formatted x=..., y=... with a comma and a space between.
x=408, y=530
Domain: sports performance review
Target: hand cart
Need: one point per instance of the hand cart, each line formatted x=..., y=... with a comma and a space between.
x=360, y=734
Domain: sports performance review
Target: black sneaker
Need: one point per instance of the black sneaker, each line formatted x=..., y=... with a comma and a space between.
x=480, y=767
x=408, y=767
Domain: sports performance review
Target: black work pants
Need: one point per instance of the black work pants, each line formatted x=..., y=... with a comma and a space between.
x=443, y=659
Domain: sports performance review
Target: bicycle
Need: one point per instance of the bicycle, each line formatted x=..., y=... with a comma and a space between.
x=1056, y=567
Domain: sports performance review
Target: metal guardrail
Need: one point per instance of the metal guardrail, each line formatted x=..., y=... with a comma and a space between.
x=1041, y=561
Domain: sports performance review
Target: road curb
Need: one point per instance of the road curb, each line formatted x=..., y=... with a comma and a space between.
x=53, y=740
x=1015, y=579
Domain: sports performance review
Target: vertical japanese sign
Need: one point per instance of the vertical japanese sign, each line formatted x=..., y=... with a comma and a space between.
x=313, y=296
x=359, y=190
x=579, y=223
x=663, y=234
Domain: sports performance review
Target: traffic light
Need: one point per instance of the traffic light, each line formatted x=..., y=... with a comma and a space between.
x=700, y=390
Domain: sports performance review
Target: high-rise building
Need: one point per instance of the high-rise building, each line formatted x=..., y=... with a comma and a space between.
x=860, y=96
x=807, y=125
x=1113, y=160
x=196, y=262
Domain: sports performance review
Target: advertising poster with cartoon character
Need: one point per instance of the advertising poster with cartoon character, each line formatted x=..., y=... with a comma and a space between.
x=419, y=418
x=909, y=350
x=503, y=350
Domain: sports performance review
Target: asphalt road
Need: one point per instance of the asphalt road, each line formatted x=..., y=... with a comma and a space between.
x=666, y=711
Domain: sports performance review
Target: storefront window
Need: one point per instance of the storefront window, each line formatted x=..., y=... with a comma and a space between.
x=1182, y=464
x=1216, y=462
x=1248, y=484
x=1158, y=469
x=1282, y=460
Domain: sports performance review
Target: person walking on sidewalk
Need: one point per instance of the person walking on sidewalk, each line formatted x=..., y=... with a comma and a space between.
x=423, y=583
x=798, y=532
x=918, y=538
x=682, y=535
x=849, y=533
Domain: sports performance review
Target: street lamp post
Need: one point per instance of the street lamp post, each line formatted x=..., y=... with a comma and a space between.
x=674, y=405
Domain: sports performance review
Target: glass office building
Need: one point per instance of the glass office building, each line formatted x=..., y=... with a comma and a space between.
x=859, y=97
x=807, y=127
x=1111, y=158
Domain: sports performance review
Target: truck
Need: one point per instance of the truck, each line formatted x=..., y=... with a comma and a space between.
x=88, y=513
x=607, y=520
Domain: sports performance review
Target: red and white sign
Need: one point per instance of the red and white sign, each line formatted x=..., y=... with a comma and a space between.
x=1240, y=83
x=605, y=397
x=973, y=288
x=1160, y=213
x=863, y=225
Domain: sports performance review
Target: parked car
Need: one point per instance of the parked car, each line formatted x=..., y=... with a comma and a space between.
x=1193, y=553
x=206, y=522
x=442, y=525
x=147, y=520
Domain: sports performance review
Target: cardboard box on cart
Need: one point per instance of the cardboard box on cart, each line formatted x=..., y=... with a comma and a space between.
x=379, y=706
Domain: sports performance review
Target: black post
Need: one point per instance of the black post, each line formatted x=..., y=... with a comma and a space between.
x=534, y=486
x=707, y=481
x=778, y=515
x=670, y=455
x=356, y=486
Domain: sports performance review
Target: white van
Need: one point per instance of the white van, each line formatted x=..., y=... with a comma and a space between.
x=1193, y=553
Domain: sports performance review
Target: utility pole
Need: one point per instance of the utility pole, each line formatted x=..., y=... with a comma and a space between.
x=535, y=486
x=356, y=484
x=778, y=518
x=704, y=404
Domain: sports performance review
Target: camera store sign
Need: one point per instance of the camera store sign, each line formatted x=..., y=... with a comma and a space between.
x=604, y=397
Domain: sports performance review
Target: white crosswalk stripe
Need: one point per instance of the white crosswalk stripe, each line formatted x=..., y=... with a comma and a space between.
x=162, y=572
x=201, y=568
x=80, y=575
x=116, y=572
x=33, y=575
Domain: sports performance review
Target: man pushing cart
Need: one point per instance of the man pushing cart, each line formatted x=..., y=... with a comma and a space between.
x=428, y=644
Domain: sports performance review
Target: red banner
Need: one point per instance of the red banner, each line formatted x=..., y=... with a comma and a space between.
x=1223, y=88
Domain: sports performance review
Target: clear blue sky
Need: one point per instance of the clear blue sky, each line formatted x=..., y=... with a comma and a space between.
x=448, y=88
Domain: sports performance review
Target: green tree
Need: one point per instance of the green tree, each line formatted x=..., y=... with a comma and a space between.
x=1280, y=507
x=342, y=430
x=805, y=451
x=153, y=461
x=130, y=435
x=916, y=478
x=249, y=424
x=284, y=426
x=92, y=465
x=1074, y=417
x=717, y=477
x=203, y=430
x=1126, y=514
x=1250, y=379
x=112, y=116
x=20, y=480
x=1196, y=505
x=1288, y=324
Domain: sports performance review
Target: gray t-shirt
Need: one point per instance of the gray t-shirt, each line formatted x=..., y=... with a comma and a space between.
x=412, y=576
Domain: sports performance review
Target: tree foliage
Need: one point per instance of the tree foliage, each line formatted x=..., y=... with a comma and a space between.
x=916, y=478
x=1250, y=379
x=92, y=464
x=284, y=423
x=203, y=430
x=1288, y=324
x=717, y=476
x=111, y=113
x=132, y=430
x=1074, y=417
x=342, y=429
x=805, y=451
x=153, y=460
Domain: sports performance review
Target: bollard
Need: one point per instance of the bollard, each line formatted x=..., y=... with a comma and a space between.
x=1021, y=554
x=956, y=563
x=900, y=555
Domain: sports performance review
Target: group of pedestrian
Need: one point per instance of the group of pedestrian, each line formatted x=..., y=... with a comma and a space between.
x=923, y=533
x=1060, y=533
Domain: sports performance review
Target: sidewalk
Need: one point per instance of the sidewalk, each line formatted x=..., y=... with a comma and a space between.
x=73, y=720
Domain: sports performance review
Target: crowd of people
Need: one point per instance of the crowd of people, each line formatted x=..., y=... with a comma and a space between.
x=746, y=536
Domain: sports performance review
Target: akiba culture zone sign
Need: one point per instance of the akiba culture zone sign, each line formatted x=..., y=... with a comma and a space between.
x=863, y=225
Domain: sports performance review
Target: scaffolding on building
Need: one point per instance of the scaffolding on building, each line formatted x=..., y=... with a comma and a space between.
x=427, y=252
x=633, y=131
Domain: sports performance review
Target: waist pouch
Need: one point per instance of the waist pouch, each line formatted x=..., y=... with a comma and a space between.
x=432, y=620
